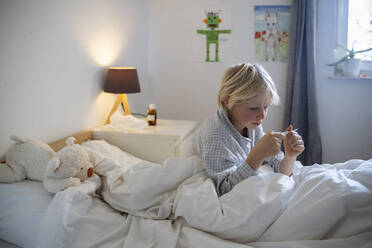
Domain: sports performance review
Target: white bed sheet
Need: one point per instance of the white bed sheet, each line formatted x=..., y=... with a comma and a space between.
x=175, y=205
x=22, y=206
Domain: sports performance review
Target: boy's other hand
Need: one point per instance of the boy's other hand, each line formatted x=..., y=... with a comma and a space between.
x=293, y=143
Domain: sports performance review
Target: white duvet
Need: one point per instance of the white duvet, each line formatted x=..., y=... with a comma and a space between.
x=135, y=203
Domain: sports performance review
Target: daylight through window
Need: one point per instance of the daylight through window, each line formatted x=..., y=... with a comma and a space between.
x=360, y=27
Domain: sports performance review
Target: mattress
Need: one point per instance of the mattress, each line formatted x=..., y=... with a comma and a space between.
x=22, y=206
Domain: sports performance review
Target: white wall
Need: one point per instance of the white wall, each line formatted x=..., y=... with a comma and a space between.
x=53, y=60
x=184, y=88
x=344, y=105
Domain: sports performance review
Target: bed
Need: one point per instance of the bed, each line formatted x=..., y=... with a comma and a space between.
x=130, y=202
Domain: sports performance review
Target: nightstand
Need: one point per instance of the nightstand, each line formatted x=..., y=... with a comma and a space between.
x=169, y=138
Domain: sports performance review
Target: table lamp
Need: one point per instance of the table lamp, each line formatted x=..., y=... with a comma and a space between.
x=121, y=80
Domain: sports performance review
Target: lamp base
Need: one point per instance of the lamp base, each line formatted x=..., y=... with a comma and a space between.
x=121, y=98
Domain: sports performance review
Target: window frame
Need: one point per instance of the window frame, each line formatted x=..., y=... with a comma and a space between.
x=342, y=8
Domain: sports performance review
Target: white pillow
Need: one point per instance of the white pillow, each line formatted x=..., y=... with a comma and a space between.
x=122, y=158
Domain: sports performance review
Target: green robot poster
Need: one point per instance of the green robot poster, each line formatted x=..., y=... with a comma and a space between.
x=212, y=33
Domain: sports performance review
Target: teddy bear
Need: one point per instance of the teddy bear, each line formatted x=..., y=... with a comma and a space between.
x=36, y=160
x=69, y=167
x=26, y=158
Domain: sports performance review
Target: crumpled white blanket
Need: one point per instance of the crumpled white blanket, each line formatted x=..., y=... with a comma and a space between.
x=138, y=202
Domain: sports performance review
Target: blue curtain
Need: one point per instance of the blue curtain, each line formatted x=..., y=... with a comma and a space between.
x=301, y=106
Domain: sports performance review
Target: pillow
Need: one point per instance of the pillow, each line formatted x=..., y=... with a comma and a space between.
x=104, y=149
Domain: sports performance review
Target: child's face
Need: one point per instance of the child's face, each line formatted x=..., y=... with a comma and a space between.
x=250, y=114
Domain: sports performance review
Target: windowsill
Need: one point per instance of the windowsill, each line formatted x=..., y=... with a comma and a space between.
x=365, y=70
x=336, y=77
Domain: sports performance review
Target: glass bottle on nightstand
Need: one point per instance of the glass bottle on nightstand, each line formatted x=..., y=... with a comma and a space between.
x=151, y=115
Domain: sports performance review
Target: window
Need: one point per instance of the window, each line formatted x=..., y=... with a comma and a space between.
x=359, y=32
x=354, y=31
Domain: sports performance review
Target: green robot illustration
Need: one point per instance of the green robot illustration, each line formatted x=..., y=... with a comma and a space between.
x=212, y=22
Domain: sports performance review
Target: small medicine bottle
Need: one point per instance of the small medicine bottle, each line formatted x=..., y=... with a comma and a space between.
x=151, y=114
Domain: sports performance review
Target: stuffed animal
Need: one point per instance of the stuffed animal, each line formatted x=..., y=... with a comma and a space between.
x=36, y=160
x=26, y=158
x=68, y=167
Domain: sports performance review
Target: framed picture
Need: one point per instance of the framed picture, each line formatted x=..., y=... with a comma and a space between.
x=271, y=32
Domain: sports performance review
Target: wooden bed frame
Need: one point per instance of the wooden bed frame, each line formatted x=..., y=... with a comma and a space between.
x=80, y=137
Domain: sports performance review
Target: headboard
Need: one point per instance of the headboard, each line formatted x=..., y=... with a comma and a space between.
x=80, y=137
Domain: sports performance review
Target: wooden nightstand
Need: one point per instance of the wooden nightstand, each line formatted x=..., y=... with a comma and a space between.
x=168, y=138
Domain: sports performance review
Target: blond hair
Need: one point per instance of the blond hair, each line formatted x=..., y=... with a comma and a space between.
x=244, y=82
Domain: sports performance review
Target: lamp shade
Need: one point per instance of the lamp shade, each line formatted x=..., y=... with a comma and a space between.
x=122, y=80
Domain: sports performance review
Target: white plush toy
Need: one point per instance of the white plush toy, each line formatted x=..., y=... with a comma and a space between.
x=36, y=160
x=26, y=158
x=68, y=167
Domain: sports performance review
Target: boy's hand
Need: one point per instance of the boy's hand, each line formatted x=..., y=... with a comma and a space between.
x=293, y=143
x=269, y=145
